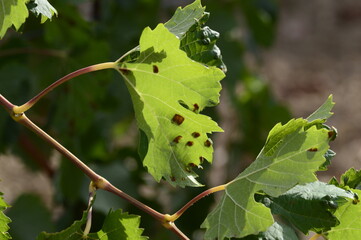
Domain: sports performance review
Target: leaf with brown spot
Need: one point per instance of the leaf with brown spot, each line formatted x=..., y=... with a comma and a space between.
x=162, y=82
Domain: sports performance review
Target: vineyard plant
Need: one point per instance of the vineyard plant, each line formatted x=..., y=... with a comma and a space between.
x=145, y=123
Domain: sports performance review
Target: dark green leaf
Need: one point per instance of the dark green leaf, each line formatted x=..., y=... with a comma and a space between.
x=200, y=45
x=276, y=231
x=309, y=207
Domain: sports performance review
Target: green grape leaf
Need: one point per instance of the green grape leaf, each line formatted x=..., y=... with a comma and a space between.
x=310, y=206
x=43, y=8
x=117, y=225
x=4, y=220
x=200, y=44
x=349, y=216
x=291, y=155
x=324, y=111
x=350, y=179
x=329, y=155
x=184, y=19
x=74, y=232
x=12, y=13
x=197, y=40
x=275, y=231
x=168, y=91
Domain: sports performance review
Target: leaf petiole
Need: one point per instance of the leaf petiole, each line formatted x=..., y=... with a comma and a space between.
x=175, y=216
x=92, y=193
x=23, y=108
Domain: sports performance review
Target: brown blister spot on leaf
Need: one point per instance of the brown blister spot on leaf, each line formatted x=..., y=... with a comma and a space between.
x=332, y=134
x=208, y=143
x=183, y=179
x=196, y=134
x=155, y=69
x=189, y=143
x=313, y=150
x=191, y=165
x=195, y=107
x=178, y=119
x=172, y=179
x=177, y=139
x=201, y=159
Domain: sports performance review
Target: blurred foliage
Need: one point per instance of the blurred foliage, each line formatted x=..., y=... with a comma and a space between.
x=93, y=116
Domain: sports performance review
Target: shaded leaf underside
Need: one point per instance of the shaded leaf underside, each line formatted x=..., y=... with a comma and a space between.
x=310, y=207
x=43, y=8
x=184, y=18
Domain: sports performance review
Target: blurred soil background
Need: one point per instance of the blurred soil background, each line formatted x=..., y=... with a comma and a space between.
x=318, y=52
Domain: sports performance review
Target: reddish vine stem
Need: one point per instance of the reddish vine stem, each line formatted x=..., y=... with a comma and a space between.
x=99, y=181
x=171, y=226
x=111, y=188
x=179, y=213
x=22, y=119
x=23, y=108
x=6, y=104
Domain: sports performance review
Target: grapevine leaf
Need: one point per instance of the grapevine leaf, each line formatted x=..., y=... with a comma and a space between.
x=275, y=231
x=168, y=91
x=324, y=111
x=200, y=44
x=4, y=220
x=349, y=216
x=197, y=40
x=117, y=225
x=310, y=206
x=329, y=155
x=291, y=155
x=12, y=13
x=74, y=232
x=43, y=8
x=350, y=179
x=184, y=19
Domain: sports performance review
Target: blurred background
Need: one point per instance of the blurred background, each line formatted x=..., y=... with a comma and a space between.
x=284, y=59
